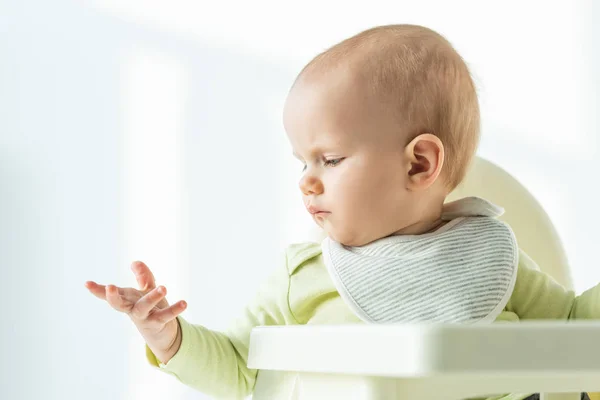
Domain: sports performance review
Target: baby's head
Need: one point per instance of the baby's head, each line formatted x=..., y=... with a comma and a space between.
x=386, y=124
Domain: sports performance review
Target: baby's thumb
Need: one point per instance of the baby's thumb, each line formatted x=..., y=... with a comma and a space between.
x=143, y=276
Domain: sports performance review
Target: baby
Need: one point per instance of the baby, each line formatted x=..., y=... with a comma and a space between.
x=386, y=124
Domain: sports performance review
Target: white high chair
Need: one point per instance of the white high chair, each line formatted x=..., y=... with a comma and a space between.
x=443, y=362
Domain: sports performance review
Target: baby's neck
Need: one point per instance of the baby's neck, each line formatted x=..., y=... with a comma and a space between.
x=428, y=221
x=421, y=227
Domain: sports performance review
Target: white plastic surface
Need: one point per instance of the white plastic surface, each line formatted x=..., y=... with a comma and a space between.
x=430, y=361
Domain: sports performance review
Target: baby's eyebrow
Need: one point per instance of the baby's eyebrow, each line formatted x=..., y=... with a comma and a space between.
x=316, y=151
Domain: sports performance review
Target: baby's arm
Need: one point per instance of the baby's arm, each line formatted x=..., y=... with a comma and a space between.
x=214, y=362
x=538, y=296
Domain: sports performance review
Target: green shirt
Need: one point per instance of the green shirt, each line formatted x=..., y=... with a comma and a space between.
x=300, y=291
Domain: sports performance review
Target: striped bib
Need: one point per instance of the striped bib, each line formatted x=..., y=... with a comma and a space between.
x=464, y=272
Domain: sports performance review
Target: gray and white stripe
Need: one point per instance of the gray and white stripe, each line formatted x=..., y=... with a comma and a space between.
x=461, y=274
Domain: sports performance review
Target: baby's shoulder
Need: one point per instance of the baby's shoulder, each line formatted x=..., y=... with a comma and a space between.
x=298, y=254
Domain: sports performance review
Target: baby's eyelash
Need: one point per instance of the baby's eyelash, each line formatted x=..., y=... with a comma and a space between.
x=333, y=162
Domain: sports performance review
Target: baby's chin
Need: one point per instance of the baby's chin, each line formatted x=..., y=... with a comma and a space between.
x=353, y=237
x=346, y=238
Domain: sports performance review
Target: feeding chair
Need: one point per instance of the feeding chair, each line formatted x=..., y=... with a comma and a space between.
x=438, y=361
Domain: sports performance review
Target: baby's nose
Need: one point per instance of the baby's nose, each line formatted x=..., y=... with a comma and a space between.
x=310, y=184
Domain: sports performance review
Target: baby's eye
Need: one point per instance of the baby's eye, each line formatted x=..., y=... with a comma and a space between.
x=333, y=162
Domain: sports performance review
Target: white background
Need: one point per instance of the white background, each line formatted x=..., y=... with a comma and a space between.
x=152, y=130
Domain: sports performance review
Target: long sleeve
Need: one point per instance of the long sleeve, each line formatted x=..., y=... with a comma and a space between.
x=538, y=296
x=215, y=363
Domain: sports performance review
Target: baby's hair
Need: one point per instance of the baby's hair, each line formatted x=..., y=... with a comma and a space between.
x=427, y=84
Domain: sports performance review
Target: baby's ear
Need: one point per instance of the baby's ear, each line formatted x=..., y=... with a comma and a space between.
x=426, y=156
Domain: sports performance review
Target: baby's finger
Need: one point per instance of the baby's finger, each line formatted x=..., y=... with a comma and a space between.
x=165, y=315
x=143, y=306
x=97, y=290
x=115, y=300
x=143, y=276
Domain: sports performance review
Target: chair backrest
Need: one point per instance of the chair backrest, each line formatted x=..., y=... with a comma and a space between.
x=535, y=232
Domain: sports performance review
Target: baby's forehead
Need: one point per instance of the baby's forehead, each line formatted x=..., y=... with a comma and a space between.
x=352, y=86
x=335, y=109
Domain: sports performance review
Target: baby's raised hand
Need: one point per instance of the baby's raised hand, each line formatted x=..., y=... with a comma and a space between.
x=148, y=309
